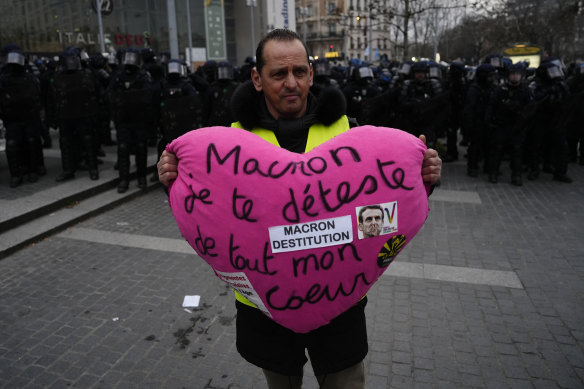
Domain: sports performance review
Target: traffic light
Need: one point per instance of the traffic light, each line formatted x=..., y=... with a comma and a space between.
x=331, y=47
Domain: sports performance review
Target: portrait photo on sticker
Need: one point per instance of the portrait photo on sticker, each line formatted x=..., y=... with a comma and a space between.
x=376, y=219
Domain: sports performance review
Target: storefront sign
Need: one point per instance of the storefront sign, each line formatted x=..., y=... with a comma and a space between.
x=84, y=39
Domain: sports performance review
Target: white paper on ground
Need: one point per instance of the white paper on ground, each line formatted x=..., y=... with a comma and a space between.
x=191, y=301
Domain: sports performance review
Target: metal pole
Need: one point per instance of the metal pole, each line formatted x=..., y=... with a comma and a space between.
x=190, y=59
x=100, y=24
x=251, y=5
x=172, y=32
x=370, y=33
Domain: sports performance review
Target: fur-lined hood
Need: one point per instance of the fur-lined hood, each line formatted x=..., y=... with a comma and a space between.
x=249, y=108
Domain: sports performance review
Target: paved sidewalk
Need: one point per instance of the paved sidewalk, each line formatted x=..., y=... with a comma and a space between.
x=488, y=295
x=36, y=209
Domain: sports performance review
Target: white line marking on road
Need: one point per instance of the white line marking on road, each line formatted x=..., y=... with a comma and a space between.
x=397, y=269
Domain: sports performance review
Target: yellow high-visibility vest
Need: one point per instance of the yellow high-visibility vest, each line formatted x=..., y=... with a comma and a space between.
x=317, y=134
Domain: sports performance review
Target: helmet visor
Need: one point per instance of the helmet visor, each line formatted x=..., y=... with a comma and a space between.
x=435, y=72
x=177, y=68
x=365, y=72
x=224, y=73
x=15, y=58
x=132, y=59
x=554, y=72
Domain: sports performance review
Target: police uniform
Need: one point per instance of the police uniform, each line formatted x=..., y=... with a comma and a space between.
x=75, y=99
x=131, y=94
x=20, y=105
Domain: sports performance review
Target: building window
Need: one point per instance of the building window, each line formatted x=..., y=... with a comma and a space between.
x=332, y=29
x=358, y=42
x=332, y=8
x=309, y=10
x=352, y=43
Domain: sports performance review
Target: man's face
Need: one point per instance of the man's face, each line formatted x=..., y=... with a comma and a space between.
x=285, y=79
x=372, y=221
x=514, y=78
x=420, y=76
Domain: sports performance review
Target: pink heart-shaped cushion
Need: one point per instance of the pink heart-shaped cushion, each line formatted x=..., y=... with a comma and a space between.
x=282, y=228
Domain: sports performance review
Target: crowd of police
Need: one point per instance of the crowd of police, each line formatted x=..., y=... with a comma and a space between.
x=501, y=111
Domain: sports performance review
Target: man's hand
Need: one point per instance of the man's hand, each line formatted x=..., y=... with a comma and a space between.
x=431, y=166
x=167, y=168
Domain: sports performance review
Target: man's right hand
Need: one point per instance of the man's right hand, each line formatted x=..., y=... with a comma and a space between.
x=167, y=168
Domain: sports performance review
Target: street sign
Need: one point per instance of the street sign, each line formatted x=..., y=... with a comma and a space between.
x=107, y=6
x=215, y=29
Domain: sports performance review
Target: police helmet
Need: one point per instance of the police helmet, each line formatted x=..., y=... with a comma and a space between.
x=322, y=67
x=224, y=71
x=420, y=67
x=434, y=71
x=131, y=58
x=70, y=60
x=97, y=61
x=549, y=71
x=210, y=70
x=495, y=60
x=363, y=73
x=406, y=68
x=177, y=67
x=516, y=68
x=15, y=58
x=484, y=71
x=457, y=67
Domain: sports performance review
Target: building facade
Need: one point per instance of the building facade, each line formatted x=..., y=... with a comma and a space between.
x=47, y=27
x=343, y=29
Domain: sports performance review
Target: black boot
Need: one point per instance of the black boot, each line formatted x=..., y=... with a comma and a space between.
x=123, y=167
x=141, y=162
x=13, y=157
x=35, y=153
x=67, y=159
x=91, y=156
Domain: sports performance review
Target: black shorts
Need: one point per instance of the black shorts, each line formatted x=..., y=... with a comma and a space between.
x=333, y=347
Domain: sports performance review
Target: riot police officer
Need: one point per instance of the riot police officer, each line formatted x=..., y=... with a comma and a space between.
x=220, y=92
x=155, y=69
x=575, y=129
x=131, y=94
x=322, y=76
x=547, y=137
x=75, y=103
x=181, y=104
x=421, y=99
x=509, y=107
x=20, y=106
x=358, y=91
x=456, y=85
x=475, y=107
x=97, y=65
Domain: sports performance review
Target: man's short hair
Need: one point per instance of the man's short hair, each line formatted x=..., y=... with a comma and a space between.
x=363, y=209
x=279, y=34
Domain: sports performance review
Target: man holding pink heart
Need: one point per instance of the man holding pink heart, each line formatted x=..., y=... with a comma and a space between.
x=276, y=105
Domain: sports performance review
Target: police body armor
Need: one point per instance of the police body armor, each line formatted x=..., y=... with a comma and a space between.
x=19, y=97
x=181, y=113
x=132, y=97
x=220, y=113
x=76, y=94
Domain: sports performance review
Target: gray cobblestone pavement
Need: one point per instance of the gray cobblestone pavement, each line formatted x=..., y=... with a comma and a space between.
x=94, y=306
